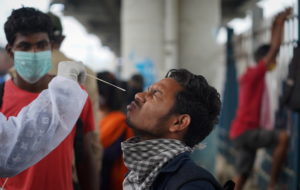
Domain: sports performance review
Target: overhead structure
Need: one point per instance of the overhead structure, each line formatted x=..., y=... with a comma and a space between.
x=102, y=17
x=235, y=9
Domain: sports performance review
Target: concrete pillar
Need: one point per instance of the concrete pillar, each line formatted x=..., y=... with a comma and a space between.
x=170, y=34
x=257, y=20
x=198, y=26
x=142, y=38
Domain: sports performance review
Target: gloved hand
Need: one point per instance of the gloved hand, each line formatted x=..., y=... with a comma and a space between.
x=72, y=70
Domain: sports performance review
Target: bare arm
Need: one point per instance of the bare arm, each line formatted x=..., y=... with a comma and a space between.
x=276, y=36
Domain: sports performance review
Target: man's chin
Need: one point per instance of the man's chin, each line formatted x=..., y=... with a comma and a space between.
x=134, y=128
x=130, y=124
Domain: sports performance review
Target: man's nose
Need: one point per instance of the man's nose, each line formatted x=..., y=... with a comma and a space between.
x=33, y=49
x=140, y=97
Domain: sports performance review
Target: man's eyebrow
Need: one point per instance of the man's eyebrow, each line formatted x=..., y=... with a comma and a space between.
x=158, y=89
x=42, y=41
x=24, y=43
x=28, y=43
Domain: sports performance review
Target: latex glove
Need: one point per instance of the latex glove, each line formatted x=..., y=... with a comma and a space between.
x=73, y=70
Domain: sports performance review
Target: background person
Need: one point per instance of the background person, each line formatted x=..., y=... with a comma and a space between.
x=113, y=130
x=90, y=85
x=5, y=65
x=22, y=141
x=245, y=131
x=29, y=33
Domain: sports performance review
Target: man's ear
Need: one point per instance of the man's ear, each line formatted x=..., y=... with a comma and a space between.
x=181, y=122
x=61, y=40
x=8, y=49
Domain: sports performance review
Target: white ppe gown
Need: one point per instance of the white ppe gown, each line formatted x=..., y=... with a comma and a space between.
x=40, y=126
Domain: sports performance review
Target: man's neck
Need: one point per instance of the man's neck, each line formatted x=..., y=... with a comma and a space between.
x=40, y=85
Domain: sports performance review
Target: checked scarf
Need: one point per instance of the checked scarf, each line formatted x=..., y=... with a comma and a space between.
x=144, y=159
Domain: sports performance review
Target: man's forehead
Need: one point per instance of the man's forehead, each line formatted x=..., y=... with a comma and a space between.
x=168, y=84
x=31, y=38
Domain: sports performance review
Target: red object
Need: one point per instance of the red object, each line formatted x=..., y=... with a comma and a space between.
x=111, y=127
x=55, y=170
x=251, y=87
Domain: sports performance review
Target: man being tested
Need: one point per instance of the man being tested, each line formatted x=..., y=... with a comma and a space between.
x=169, y=119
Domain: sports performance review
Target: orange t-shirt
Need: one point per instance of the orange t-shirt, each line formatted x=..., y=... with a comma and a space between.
x=111, y=127
x=55, y=170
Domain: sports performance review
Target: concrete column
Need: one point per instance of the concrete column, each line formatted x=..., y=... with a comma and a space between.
x=198, y=26
x=171, y=34
x=257, y=19
x=143, y=38
x=161, y=34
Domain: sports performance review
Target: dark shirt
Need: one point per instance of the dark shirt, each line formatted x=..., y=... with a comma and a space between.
x=182, y=173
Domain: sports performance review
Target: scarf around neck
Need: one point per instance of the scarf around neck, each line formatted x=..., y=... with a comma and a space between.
x=144, y=159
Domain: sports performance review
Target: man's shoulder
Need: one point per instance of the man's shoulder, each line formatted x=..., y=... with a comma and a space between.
x=183, y=172
x=60, y=56
x=259, y=68
x=196, y=185
x=10, y=90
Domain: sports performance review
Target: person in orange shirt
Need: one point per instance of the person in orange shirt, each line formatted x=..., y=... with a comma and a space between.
x=113, y=130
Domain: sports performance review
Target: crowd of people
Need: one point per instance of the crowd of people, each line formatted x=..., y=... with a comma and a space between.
x=120, y=140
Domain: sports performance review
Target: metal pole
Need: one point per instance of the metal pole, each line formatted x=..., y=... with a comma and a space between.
x=297, y=185
x=298, y=15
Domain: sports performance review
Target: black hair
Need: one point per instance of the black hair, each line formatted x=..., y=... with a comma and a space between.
x=25, y=21
x=57, y=29
x=110, y=97
x=135, y=85
x=199, y=100
x=261, y=52
x=138, y=79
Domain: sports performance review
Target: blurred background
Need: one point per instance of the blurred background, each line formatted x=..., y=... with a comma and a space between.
x=214, y=38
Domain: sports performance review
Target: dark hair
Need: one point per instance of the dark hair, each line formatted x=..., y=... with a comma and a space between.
x=109, y=96
x=199, y=100
x=135, y=85
x=57, y=28
x=261, y=52
x=27, y=21
x=138, y=79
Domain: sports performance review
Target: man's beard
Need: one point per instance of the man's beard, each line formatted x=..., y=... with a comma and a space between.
x=137, y=132
x=146, y=134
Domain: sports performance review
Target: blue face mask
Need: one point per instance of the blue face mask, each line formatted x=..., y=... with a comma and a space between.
x=32, y=66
